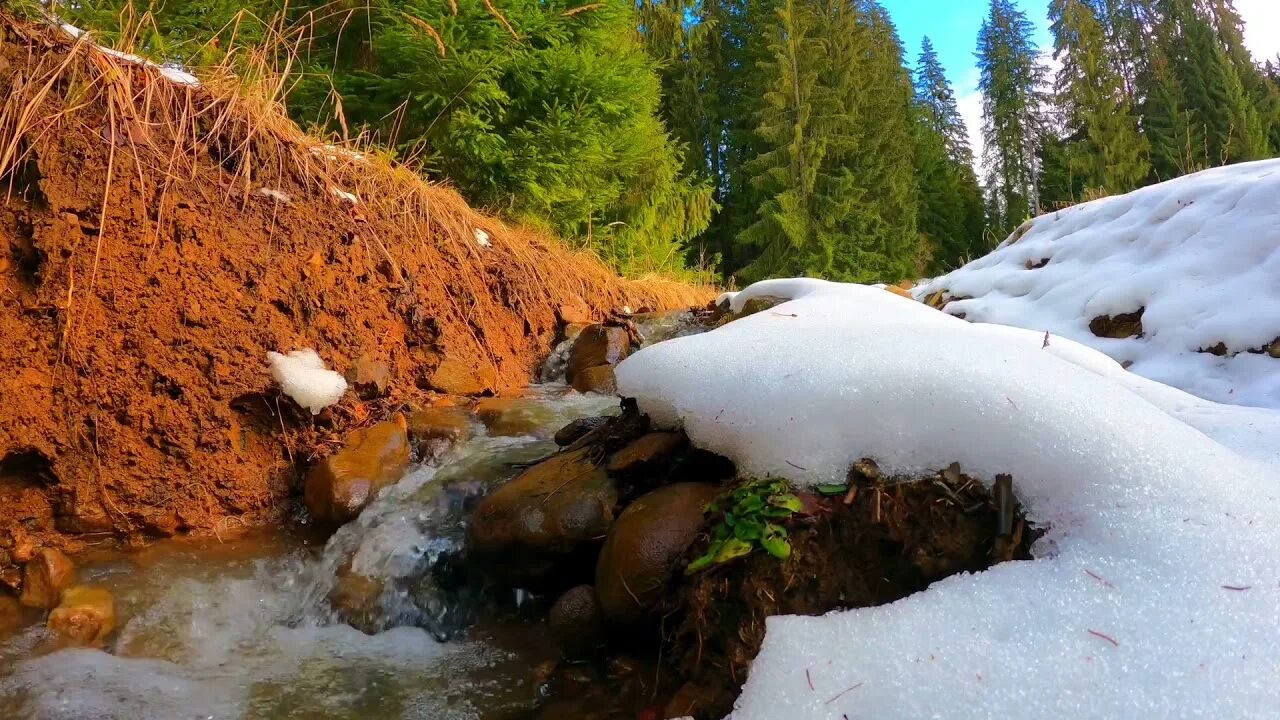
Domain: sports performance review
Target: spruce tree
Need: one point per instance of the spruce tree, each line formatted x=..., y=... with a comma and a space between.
x=838, y=191
x=950, y=216
x=1010, y=77
x=1104, y=152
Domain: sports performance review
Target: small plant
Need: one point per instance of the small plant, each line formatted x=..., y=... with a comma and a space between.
x=752, y=518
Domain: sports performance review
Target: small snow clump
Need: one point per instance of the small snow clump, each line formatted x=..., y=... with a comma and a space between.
x=302, y=375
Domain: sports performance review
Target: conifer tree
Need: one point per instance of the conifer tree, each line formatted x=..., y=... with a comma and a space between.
x=950, y=216
x=1104, y=151
x=838, y=189
x=1010, y=77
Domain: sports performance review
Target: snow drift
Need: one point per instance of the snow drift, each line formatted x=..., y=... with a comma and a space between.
x=1155, y=591
x=1199, y=256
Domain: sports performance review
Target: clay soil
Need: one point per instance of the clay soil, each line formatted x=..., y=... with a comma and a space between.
x=156, y=240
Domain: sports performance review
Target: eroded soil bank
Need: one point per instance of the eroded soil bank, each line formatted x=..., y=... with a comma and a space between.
x=157, y=239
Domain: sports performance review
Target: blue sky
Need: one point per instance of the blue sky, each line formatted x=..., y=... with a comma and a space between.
x=953, y=26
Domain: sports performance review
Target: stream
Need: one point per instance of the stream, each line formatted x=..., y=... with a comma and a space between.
x=245, y=628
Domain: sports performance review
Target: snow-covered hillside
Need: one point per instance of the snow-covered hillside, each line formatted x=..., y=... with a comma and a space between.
x=1198, y=256
x=1154, y=593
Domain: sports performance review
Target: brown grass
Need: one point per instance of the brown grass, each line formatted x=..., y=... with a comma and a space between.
x=237, y=113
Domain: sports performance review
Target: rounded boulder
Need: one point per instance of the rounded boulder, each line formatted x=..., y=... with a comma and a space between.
x=644, y=546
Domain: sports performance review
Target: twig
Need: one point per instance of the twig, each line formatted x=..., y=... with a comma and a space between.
x=840, y=694
x=1104, y=636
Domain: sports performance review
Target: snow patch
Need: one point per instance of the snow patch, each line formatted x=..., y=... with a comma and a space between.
x=1155, y=591
x=1200, y=254
x=482, y=238
x=171, y=72
x=276, y=195
x=302, y=375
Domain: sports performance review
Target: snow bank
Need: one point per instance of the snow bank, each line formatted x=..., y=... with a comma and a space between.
x=1201, y=254
x=1154, y=593
x=303, y=376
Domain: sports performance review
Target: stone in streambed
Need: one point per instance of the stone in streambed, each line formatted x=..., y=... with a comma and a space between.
x=543, y=517
x=571, y=433
x=599, y=379
x=645, y=545
x=45, y=577
x=357, y=599
x=515, y=416
x=436, y=429
x=340, y=486
x=86, y=615
x=597, y=345
x=10, y=615
x=576, y=622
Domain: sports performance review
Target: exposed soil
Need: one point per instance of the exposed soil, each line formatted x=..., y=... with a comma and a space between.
x=871, y=551
x=144, y=275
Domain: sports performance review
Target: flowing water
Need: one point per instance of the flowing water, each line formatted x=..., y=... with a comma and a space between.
x=247, y=629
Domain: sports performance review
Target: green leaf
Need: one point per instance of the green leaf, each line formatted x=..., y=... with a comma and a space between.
x=731, y=550
x=786, y=502
x=748, y=531
x=775, y=542
x=831, y=489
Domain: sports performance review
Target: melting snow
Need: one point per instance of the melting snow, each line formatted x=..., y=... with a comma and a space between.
x=172, y=73
x=303, y=376
x=1200, y=253
x=1154, y=593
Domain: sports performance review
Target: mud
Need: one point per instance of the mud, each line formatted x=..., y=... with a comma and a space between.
x=144, y=275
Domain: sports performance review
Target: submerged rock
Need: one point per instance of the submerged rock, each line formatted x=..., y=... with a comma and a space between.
x=86, y=616
x=45, y=577
x=10, y=615
x=340, y=486
x=436, y=429
x=571, y=433
x=644, y=547
x=543, y=516
x=357, y=599
x=597, y=345
x=515, y=416
x=576, y=622
x=599, y=379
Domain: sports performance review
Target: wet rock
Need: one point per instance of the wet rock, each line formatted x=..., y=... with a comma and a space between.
x=576, y=622
x=370, y=378
x=759, y=303
x=646, y=452
x=339, y=486
x=597, y=345
x=10, y=615
x=436, y=429
x=357, y=600
x=544, y=516
x=570, y=433
x=10, y=579
x=458, y=377
x=599, y=379
x=515, y=416
x=45, y=577
x=86, y=615
x=644, y=547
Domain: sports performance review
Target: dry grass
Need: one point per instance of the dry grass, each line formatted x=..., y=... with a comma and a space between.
x=158, y=128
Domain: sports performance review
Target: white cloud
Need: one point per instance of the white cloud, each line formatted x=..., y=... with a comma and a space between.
x=1262, y=27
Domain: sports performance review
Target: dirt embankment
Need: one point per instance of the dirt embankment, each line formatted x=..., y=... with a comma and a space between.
x=157, y=239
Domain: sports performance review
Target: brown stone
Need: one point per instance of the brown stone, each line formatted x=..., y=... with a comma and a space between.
x=340, y=486
x=454, y=376
x=515, y=416
x=542, y=516
x=597, y=345
x=436, y=429
x=86, y=615
x=370, y=378
x=646, y=452
x=575, y=312
x=10, y=615
x=599, y=379
x=357, y=599
x=576, y=622
x=760, y=303
x=45, y=577
x=644, y=547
